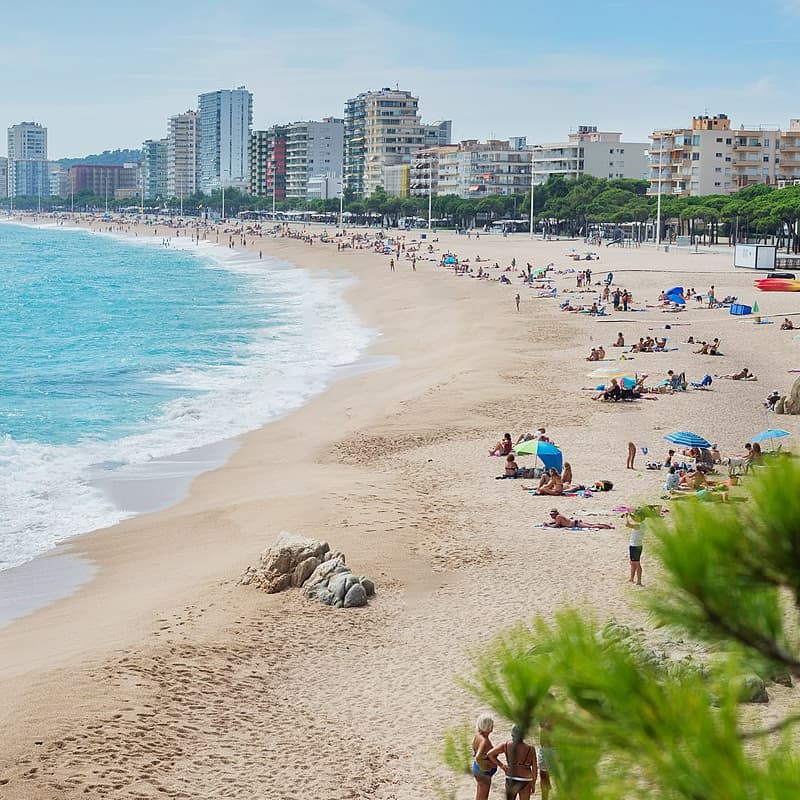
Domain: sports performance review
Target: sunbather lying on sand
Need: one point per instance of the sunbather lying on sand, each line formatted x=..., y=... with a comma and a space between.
x=558, y=520
x=743, y=375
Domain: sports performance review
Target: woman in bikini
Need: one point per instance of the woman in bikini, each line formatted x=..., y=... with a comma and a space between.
x=483, y=768
x=520, y=767
x=558, y=520
x=550, y=484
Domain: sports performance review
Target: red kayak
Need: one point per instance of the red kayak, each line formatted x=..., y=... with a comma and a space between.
x=778, y=285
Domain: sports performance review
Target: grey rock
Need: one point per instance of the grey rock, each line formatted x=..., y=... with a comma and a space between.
x=356, y=596
x=369, y=586
x=338, y=584
x=323, y=571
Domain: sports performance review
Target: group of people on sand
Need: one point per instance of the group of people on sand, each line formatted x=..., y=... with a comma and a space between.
x=521, y=762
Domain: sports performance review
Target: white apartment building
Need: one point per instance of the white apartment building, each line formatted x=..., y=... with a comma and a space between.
x=28, y=171
x=384, y=129
x=588, y=151
x=181, y=166
x=224, y=122
x=712, y=158
x=313, y=149
x=473, y=169
x=154, y=169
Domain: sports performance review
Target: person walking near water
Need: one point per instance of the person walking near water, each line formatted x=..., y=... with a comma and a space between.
x=391, y=265
x=631, y=455
x=516, y=300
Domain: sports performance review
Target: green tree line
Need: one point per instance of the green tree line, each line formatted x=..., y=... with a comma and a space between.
x=561, y=207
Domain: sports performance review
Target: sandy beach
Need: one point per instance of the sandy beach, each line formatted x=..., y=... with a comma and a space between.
x=161, y=677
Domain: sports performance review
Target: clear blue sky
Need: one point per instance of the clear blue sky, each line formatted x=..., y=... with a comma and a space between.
x=107, y=75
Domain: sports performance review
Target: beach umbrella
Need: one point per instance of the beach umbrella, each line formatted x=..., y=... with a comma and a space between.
x=687, y=439
x=549, y=454
x=771, y=433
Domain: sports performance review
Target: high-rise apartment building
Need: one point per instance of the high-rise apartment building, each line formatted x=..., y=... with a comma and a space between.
x=27, y=141
x=473, y=169
x=312, y=149
x=383, y=129
x=590, y=152
x=3, y=177
x=182, y=154
x=711, y=157
x=267, y=163
x=224, y=122
x=28, y=170
x=154, y=169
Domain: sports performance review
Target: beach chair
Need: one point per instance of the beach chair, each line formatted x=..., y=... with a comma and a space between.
x=705, y=383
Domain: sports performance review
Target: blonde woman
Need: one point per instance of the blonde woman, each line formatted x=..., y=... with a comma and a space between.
x=482, y=768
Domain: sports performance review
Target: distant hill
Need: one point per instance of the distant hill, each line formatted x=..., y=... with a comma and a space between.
x=106, y=157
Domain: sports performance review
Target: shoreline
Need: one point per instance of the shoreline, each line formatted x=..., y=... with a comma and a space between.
x=138, y=487
x=390, y=466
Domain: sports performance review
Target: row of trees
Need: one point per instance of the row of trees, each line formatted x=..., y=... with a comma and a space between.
x=561, y=206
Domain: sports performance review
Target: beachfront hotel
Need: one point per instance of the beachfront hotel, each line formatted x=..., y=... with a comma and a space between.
x=313, y=149
x=28, y=172
x=267, y=163
x=712, y=158
x=588, y=151
x=182, y=154
x=224, y=122
x=154, y=169
x=472, y=168
x=114, y=181
x=384, y=129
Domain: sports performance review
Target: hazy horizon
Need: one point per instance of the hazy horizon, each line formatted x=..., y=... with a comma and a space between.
x=503, y=72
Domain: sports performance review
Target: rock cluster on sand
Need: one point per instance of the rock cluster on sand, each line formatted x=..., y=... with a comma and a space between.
x=790, y=404
x=300, y=562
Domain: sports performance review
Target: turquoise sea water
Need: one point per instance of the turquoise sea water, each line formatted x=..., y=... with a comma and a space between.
x=114, y=353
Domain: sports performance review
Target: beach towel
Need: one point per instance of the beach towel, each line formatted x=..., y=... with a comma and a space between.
x=551, y=528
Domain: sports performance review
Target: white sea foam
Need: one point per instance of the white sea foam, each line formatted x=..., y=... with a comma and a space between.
x=47, y=493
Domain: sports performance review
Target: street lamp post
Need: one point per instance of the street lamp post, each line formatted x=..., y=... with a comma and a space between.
x=341, y=202
x=430, y=192
x=531, y=233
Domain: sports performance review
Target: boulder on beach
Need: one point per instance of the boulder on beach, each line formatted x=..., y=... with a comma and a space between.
x=790, y=404
x=283, y=564
x=295, y=561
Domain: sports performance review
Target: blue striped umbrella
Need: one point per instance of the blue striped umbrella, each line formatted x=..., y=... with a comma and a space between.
x=687, y=439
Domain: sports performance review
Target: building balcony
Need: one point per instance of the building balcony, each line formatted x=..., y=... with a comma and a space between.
x=790, y=145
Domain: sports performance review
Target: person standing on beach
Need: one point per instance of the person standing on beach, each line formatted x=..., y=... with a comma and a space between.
x=634, y=522
x=482, y=768
x=516, y=300
x=520, y=767
x=631, y=455
x=391, y=264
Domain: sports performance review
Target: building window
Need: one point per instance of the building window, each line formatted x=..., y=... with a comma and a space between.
x=695, y=156
x=717, y=155
x=719, y=140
